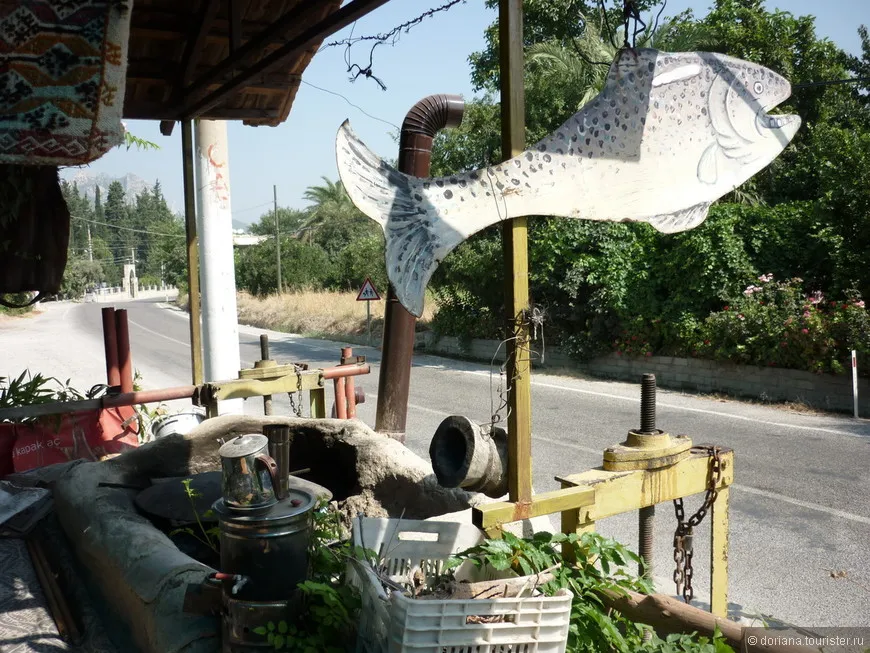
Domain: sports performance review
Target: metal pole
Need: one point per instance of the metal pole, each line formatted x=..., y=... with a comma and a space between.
x=421, y=123
x=125, y=361
x=110, y=341
x=264, y=355
x=192, y=252
x=369, y=320
x=220, y=327
x=855, y=383
x=277, y=237
x=349, y=393
x=515, y=248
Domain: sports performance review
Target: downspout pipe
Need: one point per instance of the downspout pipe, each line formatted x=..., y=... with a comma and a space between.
x=422, y=123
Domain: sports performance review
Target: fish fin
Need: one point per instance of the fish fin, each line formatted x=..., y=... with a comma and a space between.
x=680, y=74
x=681, y=220
x=707, y=165
x=413, y=245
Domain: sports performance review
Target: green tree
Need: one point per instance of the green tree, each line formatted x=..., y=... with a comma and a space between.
x=289, y=222
x=333, y=221
x=303, y=266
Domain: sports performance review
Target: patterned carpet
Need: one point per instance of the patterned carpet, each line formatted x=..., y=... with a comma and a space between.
x=26, y=625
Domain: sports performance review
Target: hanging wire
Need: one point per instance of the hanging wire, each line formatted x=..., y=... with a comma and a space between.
x=391, y=37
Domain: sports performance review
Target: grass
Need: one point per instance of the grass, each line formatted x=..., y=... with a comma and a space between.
x=318, y=314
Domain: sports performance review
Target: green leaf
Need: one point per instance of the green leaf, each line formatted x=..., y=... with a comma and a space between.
x=282, y=626
x=270, y=625
x=278, y=642
x=260, y=630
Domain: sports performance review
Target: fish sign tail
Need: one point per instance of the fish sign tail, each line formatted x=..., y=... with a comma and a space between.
x=368, y=179
x=387, y=196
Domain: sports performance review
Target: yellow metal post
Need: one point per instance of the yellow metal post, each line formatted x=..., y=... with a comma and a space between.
x=317, y=403
x=719, y=553
x=515, y=247
x=192, y=251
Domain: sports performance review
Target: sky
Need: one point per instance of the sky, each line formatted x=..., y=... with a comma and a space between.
x=431, y=58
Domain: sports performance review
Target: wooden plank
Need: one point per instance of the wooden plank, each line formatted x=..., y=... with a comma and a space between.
x=515, y=249
x=196, y=41
x=619, y=492
x=294, y=47
x=492, y=515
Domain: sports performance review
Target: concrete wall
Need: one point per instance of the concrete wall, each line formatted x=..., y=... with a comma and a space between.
x=827, y=391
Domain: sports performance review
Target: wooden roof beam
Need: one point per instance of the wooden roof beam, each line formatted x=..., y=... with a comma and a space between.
x=196, y=42
x=301, y=14
x=340, y=19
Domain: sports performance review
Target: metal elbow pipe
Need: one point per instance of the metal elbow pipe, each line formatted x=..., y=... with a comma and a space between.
x=469, y=456
x=421, y=124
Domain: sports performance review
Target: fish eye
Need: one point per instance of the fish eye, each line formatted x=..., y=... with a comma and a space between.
x=758, y=87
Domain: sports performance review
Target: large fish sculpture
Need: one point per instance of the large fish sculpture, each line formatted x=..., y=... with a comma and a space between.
x=668, y=135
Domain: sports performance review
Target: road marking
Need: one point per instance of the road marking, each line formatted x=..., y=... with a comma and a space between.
x=743, y=488
x=156, y=333
x=684, y=408
x=804, y=504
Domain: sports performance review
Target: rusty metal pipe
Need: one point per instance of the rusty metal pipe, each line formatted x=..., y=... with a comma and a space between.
x=341, y=371
x=125, y=361
x=422, y=122
x=110, y=342
x=110, y=401
x=340, y=399
x=350, y=395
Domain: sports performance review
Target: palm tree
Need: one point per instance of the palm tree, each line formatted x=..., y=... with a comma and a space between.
x=333, y=219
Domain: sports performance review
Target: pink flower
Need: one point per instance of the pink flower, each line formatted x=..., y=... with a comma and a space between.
x=727, y=308
x=765, y=278
x=649, y=353
x=860, y=303
x=806, y=313
x=740, y=316
x=805, y=330
x=817, y=297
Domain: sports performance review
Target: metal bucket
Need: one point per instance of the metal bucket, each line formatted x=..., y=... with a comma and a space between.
x=178, y=424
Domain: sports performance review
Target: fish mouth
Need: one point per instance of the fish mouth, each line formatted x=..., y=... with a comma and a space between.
x=786, y=124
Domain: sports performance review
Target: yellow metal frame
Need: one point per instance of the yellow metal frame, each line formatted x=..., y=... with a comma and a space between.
x=267, y=380
x=596, y=494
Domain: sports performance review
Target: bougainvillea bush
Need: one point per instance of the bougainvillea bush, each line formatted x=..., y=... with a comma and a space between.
x=773, y=323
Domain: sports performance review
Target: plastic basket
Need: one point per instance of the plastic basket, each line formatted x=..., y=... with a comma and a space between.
x=394, y=623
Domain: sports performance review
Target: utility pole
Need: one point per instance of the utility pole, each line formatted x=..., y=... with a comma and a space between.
x=277, y=235
x=90, y=245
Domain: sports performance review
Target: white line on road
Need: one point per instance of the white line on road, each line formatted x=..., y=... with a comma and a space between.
x=156, y=333
x=685, y=408
x=737, y=486
x=803, y=504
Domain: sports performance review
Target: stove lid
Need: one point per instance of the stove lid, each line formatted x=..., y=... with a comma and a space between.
x=297, y=503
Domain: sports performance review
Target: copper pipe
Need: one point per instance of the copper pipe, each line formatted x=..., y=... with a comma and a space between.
x=346, y=370
x=149, y=396
x=350, y=395
x=340, y=399
x=422, y=122
x=110, y=342
x=125, y=362
x=110, y=401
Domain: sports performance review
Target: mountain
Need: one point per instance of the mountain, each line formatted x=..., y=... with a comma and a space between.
x=87, y=181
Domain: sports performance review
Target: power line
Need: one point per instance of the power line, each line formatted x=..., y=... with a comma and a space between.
x=251, y=208
x=116, y=226
x=326, y=90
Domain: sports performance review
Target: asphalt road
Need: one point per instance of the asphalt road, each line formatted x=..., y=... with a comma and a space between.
x=800, y=507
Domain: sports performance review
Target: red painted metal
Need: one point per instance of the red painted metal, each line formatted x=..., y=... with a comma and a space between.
x=149, y=396
x=341, y=371
x=110, y=342
x=340, y=399
x=125, y=361
x=350, y=395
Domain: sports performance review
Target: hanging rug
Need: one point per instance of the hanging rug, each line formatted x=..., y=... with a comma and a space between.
x=63, y=65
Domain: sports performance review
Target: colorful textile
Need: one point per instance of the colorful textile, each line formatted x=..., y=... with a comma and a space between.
x=63, y=66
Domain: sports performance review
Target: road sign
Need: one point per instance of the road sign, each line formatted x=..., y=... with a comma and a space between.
x=368, y=293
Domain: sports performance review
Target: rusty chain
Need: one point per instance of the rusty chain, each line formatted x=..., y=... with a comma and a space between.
x=683, y=545
x=297, y=410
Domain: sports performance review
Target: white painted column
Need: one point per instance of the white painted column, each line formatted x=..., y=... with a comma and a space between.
x=220, y=327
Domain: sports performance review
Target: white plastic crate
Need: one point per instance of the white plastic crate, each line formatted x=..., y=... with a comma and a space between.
x=393, y=623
